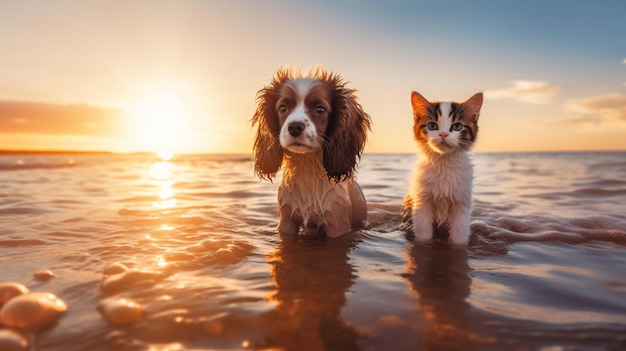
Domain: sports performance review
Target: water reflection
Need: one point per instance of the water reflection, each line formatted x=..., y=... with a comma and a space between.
x=161, y=170
x=162, y=176
x=312, y=275
x=439, y=275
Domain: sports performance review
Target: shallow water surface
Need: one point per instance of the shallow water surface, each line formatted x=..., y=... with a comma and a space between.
x=544, y=269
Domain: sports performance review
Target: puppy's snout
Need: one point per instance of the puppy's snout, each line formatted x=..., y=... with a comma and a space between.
x=296, y=128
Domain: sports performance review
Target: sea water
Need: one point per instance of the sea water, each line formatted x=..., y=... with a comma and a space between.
x=200, y=257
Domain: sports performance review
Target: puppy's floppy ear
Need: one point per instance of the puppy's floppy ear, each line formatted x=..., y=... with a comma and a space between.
x=268, y=154
x=346, y=133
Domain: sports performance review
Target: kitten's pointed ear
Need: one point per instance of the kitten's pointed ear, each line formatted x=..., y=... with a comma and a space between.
x=472, y=106
x=419, y=103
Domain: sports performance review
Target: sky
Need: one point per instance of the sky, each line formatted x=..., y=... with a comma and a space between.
x=182, y=76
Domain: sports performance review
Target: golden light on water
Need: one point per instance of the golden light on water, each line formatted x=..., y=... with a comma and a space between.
x=161, y=262
x=161, y=173
x=165, y=155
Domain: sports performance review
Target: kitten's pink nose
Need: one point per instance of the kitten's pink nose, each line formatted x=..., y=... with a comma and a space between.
x=443, y=135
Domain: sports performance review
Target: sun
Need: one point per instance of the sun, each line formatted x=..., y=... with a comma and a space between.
x=160, y=124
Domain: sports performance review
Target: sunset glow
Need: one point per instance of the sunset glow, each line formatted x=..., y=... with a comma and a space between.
x=181, y=76
x=160, y=125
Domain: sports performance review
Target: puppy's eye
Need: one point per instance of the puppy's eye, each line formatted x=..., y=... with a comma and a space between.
x=432, y=126
x=457, y=127
x=320, y=110
x=282, y=109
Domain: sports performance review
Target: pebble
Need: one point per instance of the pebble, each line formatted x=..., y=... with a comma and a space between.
x=214, y=325
x=33, y=311
x=44, y=275
x=114, y=268
x=11, y=340
x=123, y=281
x=10, y=290
x=120, y=311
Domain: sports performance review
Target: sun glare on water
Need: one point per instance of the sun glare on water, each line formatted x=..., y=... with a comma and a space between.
x=160, y=125
x=161, y=176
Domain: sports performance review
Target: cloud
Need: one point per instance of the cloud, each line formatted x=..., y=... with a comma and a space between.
x=528, y=91
x=607, y=107
x=27, y=117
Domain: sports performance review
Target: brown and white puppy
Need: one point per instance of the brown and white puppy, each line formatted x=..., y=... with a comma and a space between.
x=314, y=127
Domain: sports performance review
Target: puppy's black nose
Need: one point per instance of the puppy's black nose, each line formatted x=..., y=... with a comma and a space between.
x=295, y=128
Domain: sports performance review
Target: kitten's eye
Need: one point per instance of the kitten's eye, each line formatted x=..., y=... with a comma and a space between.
x=432, y=126
x=457, y=127
x=319, y=110
x=282, y=109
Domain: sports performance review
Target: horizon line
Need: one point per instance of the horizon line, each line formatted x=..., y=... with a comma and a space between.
x=110, y=152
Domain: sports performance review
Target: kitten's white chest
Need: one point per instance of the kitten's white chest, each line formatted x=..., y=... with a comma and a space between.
x=441, y=195
x=444, y=182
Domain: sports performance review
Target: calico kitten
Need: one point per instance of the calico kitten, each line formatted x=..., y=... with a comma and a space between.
x=440, y=195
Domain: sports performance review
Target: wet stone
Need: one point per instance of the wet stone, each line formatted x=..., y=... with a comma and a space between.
x=120, y=311
x=44, y=275
x=126, y=280
x=32, y=311
x=114, y=268
x=10, y=290
x=11, y=340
